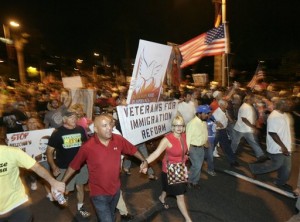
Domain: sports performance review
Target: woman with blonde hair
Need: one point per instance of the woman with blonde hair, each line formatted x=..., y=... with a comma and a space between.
x=175, y=147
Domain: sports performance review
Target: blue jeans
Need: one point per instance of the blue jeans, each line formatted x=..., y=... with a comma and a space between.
x=209, y=153
x=223, y=140
x=105, y=206
x=251, y=139
x=278, y=162
x=196, y=158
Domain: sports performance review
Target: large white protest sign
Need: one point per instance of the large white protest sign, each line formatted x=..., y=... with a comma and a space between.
x=34, y=142
x=200, y=79
x=84, y=97
x=142, y=122
x=73, y=82
x=148, y=73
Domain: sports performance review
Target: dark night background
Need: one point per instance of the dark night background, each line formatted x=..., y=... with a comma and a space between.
x=259, y=30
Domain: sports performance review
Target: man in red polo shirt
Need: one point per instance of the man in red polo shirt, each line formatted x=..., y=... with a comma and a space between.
x=102, y=153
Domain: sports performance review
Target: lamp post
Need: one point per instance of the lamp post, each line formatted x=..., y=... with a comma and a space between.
x=18, y=42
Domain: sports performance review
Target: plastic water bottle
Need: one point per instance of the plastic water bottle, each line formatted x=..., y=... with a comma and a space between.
x=59, y=197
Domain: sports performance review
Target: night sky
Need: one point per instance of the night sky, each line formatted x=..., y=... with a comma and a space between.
x=259, y=29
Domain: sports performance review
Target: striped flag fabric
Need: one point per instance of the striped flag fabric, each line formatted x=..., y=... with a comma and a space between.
x=211, y=43
x=257, y=76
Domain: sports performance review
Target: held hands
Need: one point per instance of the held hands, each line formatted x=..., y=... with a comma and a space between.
x=144, y=167
x=58, y=186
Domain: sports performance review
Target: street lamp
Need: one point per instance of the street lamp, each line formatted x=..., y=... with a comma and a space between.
x=18, y=42
x=14, y=24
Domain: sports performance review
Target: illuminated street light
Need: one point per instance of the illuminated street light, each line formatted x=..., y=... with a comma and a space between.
x=14, y=24
x=18, y=42
x=79, y=61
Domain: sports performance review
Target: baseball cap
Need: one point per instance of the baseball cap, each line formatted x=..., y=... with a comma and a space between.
x=68, y=113
x=203, y=109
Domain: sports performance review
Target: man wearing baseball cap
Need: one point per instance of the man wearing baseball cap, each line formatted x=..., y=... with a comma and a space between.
x=197, y=141
x=66, y=141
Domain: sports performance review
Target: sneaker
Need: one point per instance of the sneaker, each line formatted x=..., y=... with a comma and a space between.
x=50, y=197
x=126, y=171
x=153, y=177
x=33, y=186
x=127, y=217
x=193, y=186
x=215, y=153
x=262, y=159
x=211, y=172
x=83, y=212
x=235, y=164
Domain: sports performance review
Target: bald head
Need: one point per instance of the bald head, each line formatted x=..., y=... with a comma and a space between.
x=103, y=126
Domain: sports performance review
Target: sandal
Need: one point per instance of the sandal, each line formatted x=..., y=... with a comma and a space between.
x=165, y=205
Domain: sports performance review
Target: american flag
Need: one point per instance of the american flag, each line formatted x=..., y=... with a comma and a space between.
x=211, y=43
x=259, y=74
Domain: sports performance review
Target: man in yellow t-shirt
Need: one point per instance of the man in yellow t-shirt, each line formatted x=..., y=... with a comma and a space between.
x=197, y=141
x=13, y=197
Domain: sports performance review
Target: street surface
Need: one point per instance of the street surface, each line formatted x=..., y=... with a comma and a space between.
x=220, y=198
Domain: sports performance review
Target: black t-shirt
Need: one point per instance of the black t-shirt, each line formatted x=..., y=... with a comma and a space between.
x=66, y=143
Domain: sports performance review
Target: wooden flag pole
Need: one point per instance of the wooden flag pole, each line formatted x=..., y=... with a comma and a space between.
x=225, y=63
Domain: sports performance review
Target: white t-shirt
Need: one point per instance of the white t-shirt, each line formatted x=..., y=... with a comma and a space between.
x=248, y=112
x=221, y=117
x=187, y=111
x=278, y=123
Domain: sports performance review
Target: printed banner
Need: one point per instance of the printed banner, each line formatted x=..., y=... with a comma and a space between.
x=200, y=79
x=142, y=122
x=73, y=82
x=149, y=71
x=34, y=142
x=84, y=97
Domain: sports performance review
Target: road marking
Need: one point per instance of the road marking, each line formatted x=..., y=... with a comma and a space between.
x=267, y=186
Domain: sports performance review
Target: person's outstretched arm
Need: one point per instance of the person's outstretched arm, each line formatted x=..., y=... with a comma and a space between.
x=43, y=173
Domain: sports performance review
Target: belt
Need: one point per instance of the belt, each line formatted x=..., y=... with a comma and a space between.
x=202, y=146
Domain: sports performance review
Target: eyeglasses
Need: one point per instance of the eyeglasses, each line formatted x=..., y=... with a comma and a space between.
x=178, y=125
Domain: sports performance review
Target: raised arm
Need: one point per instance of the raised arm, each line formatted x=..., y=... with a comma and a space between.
x=153, y=156
x=161, y=148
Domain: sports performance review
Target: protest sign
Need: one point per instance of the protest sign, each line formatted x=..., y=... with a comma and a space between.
x=73, y=82
x=84, y=97
x=34, y=142
x=142, y=122
x=149, y=71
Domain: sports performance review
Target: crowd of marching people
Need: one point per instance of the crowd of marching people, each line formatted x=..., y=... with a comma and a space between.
x=209, y=119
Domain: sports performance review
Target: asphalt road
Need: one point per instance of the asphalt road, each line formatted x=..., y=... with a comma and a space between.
x=220, y=198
